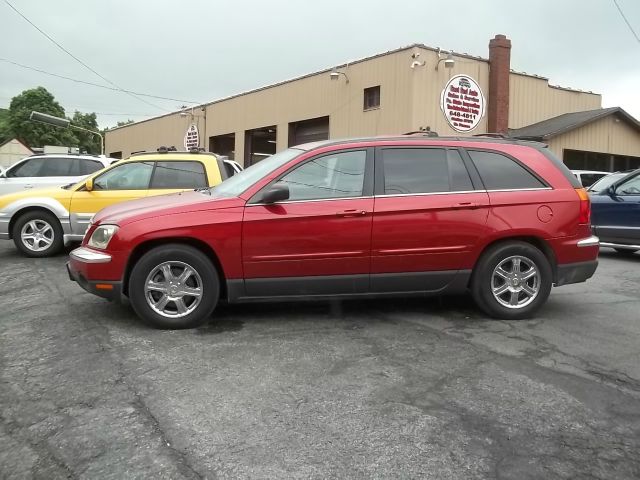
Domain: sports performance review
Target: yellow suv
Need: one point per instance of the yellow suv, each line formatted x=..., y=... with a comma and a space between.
x=41, y=222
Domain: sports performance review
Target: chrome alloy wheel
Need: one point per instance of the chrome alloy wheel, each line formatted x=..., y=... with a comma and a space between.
x=37, y=235
x=515, y=282
x=173, y=289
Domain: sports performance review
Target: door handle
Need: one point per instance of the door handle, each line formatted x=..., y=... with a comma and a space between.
x=466, y=205
x=351, y=213
x=28, y=186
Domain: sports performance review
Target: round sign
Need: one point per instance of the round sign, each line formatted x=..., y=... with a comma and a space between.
x=462, y=103
x=191, y=138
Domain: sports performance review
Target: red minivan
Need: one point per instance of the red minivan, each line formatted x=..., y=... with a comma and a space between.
x=409, y=215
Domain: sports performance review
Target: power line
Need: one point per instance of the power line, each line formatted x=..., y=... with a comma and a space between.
x=626, y=21
x=95, y=84
x=78, y=60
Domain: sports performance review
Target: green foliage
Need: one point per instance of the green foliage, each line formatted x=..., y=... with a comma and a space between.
x=5, y=131
x=36, y=134
x=122, y=124
x=86, y=141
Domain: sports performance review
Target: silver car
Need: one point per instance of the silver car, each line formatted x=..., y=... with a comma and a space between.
x=52, y=170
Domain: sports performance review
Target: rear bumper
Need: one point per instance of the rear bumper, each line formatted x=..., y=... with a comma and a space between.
x=575, y=272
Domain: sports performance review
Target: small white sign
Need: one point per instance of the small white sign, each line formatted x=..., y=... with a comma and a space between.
x=191, y=138
x=462, y=103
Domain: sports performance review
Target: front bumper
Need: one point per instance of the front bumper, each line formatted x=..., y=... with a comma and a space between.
x=85, y=265
x=575, y=272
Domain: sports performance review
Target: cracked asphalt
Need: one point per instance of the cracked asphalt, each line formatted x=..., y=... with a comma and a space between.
x=378, y=389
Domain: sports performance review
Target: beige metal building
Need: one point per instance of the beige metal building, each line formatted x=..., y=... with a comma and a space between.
x=13, y=150
x=403, y=90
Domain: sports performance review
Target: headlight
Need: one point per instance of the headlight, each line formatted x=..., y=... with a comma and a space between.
x=102, y=236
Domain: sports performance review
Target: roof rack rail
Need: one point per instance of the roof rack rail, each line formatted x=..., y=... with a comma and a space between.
x=427, y=132
x=493, y=135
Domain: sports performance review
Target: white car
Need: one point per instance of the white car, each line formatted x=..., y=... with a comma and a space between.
x=589, y=177
x=51, y=170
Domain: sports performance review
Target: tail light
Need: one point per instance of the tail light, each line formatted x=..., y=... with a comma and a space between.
x=585, y=206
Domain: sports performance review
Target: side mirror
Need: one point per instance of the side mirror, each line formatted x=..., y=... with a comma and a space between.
x=611, y=191
x=88, y=184
x=3, y=173
x=275, y=193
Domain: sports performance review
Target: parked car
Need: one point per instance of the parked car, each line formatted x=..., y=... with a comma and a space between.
x=39, y=171
x=616, y=214
x=589, y=177
x=40, y=222
x=606, y=181
x=409, y=215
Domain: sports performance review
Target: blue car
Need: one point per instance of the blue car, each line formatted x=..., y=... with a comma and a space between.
x=615, y=214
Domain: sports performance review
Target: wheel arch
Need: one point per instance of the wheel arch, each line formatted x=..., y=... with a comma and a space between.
x=148, y=245
x=32, y=208
x=537, y=242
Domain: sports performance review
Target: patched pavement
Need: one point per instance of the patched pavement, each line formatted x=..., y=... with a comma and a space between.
x=380, y=389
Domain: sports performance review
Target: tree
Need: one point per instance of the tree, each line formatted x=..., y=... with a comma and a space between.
x=36, y=134
x=5, y=131
x=122, y=124
x=86, y=141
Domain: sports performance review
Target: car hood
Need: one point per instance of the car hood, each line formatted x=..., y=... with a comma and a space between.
x=57, y=193
x=161, y=205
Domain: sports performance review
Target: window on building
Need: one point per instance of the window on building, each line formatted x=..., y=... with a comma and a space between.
x=339, y=175
x=372, y=97
x=179, y=175
x=415, y=170
x=499, y=172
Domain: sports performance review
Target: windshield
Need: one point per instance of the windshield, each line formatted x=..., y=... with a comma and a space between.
x=237, y=184
x=606, y=182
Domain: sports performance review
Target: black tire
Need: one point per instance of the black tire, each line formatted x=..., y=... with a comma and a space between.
x=178, y=255
x=53, y=234
x=625, y=251
x=483, y=280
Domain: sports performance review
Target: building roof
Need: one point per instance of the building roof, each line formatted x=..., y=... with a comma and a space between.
x=11, y=140
x=566, y=122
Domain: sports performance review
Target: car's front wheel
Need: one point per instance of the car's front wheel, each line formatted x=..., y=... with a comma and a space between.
x=512, y=280
x=174, y=286
x=37, y=234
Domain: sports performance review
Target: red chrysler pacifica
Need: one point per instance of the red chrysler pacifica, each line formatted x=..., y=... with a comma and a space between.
x=410, y=215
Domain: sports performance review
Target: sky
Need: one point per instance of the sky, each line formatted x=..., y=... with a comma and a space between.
x=202, y=50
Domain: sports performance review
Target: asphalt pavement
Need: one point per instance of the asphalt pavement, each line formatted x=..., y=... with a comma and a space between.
x=376, y=389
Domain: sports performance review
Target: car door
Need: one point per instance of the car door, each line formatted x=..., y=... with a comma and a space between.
x=126, y=181
x=317, y=241
x=616, y=213
x=21, y=175
x=428, y=216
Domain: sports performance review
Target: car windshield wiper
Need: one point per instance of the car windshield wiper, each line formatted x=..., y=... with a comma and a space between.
x=68, y=186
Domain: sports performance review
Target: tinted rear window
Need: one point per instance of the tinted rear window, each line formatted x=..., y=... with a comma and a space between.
x=415, y=170
x=179, y=175
x=499, y=172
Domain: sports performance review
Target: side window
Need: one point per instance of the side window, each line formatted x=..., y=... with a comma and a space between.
x=56, y=167
x=415, y=170
x=88, y=167
x=338, y=175
x=129, y=176
x=179, y=175
x=630, y=187
x=499, y=172
x=458, y=174
x=28, y=168
x=229, y=169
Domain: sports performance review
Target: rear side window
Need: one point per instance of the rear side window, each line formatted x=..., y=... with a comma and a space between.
x=57, y=167
x=179, y=175
x=89, y=166
x=423, y=170
x=499, y=172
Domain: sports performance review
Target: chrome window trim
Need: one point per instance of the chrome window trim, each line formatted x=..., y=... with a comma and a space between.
x=519, y=189
x=307, y=201
x=428, y=193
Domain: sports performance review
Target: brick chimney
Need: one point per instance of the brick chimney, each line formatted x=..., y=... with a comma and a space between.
x=499, y=67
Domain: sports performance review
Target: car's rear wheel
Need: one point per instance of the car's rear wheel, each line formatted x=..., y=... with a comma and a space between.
x=37, y=234
x=626, y=251
x=511, y=280
x=174, y=286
